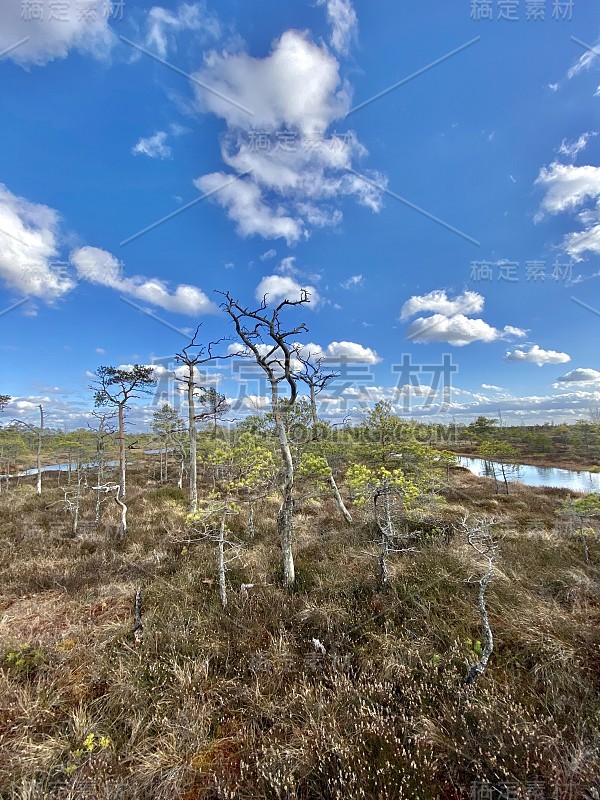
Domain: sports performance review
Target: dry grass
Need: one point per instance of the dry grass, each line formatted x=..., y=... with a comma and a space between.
x=240, y=705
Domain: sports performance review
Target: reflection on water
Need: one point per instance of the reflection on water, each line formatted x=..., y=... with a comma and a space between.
x=539, y=476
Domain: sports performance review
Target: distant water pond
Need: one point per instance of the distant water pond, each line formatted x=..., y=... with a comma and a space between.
x=539, y=476
x=27, y=473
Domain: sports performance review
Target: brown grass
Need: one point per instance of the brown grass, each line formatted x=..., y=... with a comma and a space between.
x=238, y=704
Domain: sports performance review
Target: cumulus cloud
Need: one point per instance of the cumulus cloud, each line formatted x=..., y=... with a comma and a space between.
x=163, y=25
x=535, y=355
x=51, y=33
x=450, y=323
x=581, y=375
x=438, y=302
x=103, y=269
x=490, y=387
x=567, y=186
x=351, y=351
x=244, y=204
x=29, y=248
x=291, y=182
x=457, y=330
x=570, y=188
x=343, y=21
x=282, y=287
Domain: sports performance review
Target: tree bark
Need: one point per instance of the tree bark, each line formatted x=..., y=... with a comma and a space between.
x=338, y=500
x=221, y=562
x=122, y=463
x=193, y=444
x=39, y=452
x=285, y=518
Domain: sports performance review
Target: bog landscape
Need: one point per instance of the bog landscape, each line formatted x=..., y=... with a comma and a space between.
x=299, y=400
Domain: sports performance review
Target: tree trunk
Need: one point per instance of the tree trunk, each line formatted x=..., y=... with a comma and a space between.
x=251, y=530
x=193, y=448
x=77, y=502
x=100, y=475
x=221, y=562
x=313, y=412
x=338, y=500
x=477, y=669
x=123, y=508
x=285, y=518
x=39, y=452
x=122, y=464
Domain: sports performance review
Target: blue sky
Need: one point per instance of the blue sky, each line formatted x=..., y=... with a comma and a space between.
x=432, y=178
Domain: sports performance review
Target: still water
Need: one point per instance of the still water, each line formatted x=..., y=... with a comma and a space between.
x=540, y=476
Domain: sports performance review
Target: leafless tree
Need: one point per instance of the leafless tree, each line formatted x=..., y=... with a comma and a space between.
x=480, y=538
x=39, y=433
x=272, y=346
x=194, y=356
x=389, y=539
x=316, y=378
x=101, y=433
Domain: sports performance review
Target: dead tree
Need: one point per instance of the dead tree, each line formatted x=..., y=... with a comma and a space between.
x=138, y=625
x=316, y=379
x=264, y=338
x=210, y=525
x=117, y=387
x=101, y=433
x=194, y=356
x=39, y=432
x=389, y=540
x=481, y=540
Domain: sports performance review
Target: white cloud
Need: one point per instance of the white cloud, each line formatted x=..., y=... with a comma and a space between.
x=535, y=355
x=268, y=254
x=154, y=146
x=243, y=201
x=281, y=287
x=292, y=96
x=351, y=351
x=342, y=18
x=490, y=387
x=296, y=87
x=29, y=248
x=353, y=282
x=450, y=323
x=568, y=188
x=438, y=302
x=581, y=375
x=102, y=268
x=101, y=351
x=54, y=34
x=163, y=25
x=457, y=330
x=584, y=62
x=572, y=149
